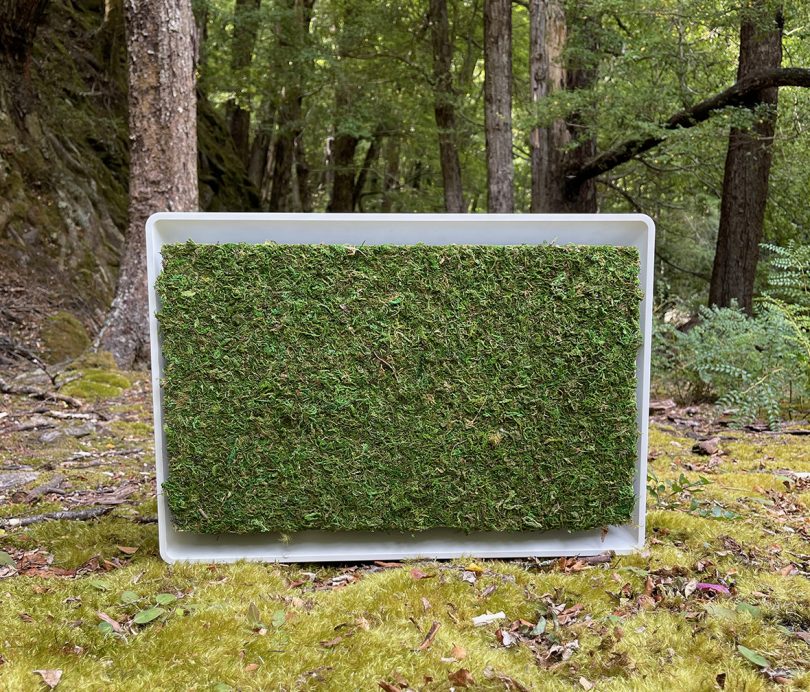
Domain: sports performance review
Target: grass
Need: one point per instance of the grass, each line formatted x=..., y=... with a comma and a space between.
x=210, y=638
x=399, y=388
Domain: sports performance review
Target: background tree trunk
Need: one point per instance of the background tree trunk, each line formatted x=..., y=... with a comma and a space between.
x=444, y=106
x=19, y=20
x=747, y=168
x=391, y=176
x=498, y=105
x=553, y=157
x=293, y=32
x=245, y=31
x=163, y=155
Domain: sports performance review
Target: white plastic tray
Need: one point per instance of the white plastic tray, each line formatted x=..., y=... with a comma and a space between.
x=400, y=229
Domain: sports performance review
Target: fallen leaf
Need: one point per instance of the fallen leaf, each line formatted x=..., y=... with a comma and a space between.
x=425, y=604
x=458, y=652
x=250, y=667
x=486, y=593
x=586, y=684
x=388, y=687
x=6, y=560
x=127, y=550
x=50, y=677
x=509, y=683
x=505, y=638
x=116, y=626
x=474, y=567
x=755, y=658
x=486, y=618
x=715, y=588
x=146, y=616
x=254, y=616
x=430, y=636
x=417, y=573
x=462, y=677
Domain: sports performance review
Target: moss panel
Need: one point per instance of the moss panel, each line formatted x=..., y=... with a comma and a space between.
x=403, y=388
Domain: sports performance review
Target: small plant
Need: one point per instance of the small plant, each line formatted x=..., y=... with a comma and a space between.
x=667, y=493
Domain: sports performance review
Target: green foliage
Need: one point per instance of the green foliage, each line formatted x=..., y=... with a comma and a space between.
x=405, y=388
x=665, y=493
x=747, y=364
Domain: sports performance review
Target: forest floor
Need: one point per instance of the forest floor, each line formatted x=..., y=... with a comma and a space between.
x=719, y=598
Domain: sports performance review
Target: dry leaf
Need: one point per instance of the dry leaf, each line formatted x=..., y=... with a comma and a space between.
x=586, y=684
x=50, y=677
x=458, y=652
x=473, y=567
x=430, y=636
x=250, y=667
x=462, y=678
x=486, y=618
x=388, y=687
x=127, y=550
x=425, y=604
x=112, y=623
x=417, y=573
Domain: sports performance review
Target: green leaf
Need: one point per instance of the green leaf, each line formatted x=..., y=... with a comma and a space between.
x=188, y=294
x=222, y=687
x=752, y=610
x=753, y=656
x=100, y=585
x=105, y=627
x=279, y=618
x=539, y=628
x=6, y=560
x=147, y=615
x=129, y=597
x=165, y=598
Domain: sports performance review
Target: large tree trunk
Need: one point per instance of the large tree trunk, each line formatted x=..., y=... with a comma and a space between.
x=293, y=31
x=391, y=176
x=163, y=155
x=748, y=167
x=564, y=145
x=245, y=30
x=498, y=105
x=343, y=148
x=444, y=106
x=372, y=154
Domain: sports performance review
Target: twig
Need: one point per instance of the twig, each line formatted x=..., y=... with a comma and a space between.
x=77, y=515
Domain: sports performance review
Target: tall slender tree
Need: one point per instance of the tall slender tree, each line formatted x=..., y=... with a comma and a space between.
x=498, y=105
x=748, y=165
x=163, y=155
x=245, y=31
x=444, y=106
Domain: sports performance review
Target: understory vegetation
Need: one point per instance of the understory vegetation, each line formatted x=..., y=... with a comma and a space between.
x=720, y=596
x=752, y=366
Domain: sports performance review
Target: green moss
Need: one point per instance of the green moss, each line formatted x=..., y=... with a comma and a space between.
x=477, y=388
x=63, y=337
x=95, y=384
x=98, y=360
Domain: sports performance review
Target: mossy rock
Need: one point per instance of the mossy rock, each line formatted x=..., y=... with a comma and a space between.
x=63, y=338
x=95, y=384
x=99, y=360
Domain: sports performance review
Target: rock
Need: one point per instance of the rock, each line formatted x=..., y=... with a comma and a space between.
x=707, y=448
x=50, y=436
x=81, y=431
x=661, y=406
x=33, y=423
x=13, y=479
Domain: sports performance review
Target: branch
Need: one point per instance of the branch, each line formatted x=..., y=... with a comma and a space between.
x=739, y=94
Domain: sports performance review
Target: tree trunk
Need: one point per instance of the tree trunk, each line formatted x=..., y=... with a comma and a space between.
x=391, y=178
x=553, y=156
x=293, y=31
x=498, y=105
x=343, y=148
x=747, y=169
x=163, y=155
x=372, y=154
x=444, y=106
x=245, y=30
x=19, y=20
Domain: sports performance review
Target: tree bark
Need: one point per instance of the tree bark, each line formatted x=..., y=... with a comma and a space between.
x=565, y=144
x=747, y=169
x=498, y=105
x=372, y=154
x=444, y=106
x=163, y=155
x=245, y=31
x=391, y=177
x=343, y=148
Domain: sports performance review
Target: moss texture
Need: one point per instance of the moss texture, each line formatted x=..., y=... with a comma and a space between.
x=399, y=388
x=63, y=337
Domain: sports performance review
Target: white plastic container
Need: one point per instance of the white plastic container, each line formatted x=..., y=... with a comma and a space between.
x=401, y=229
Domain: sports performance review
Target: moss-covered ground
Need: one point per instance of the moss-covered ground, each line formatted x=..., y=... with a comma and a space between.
x=719, y=598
